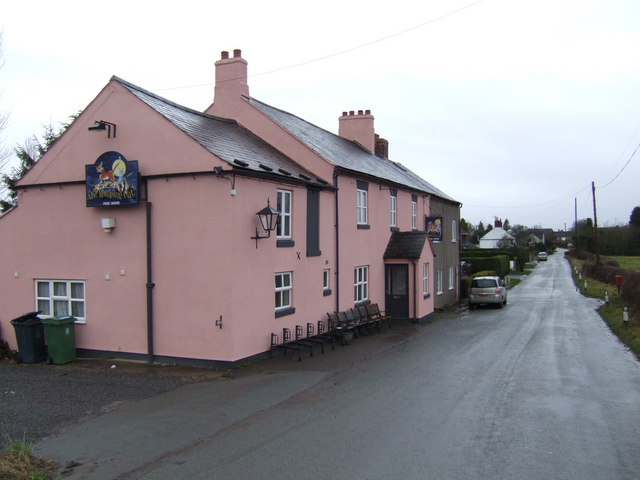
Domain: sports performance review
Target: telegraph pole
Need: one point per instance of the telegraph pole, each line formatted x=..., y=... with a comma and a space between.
x=595, y=223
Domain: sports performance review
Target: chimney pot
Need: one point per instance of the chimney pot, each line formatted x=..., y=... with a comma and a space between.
x=237, y=53
x=367, y=112
x=360, y=112
x=351, y=112
x=224, y=55
x=344, y=114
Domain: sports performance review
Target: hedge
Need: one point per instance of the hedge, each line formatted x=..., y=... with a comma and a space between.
x=519, y=254
x=606, y=272
x=498, y=263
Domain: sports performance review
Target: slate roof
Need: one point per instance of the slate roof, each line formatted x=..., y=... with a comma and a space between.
x=347, y=154
x=405, y=245
x=225, y=138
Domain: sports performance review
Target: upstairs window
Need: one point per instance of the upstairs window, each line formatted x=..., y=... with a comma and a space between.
x=361, y=202
x=284, y=220
x=414, y=212
x=393, y=208
x=454, y=231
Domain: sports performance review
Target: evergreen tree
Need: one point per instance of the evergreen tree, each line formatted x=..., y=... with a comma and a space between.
x=634, y=219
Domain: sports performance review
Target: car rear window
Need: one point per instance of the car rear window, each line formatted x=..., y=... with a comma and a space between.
x=483, y=283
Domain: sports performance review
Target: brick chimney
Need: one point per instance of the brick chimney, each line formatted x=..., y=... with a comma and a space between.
x=358, y=127
x=497, y=222
x=382, y=146
x=231, y=83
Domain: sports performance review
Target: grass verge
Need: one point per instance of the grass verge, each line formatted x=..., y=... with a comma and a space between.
x=613, y=312
x=19, y=463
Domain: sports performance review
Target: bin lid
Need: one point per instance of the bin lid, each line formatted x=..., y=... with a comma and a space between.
x=59, y=320
x=26, y=317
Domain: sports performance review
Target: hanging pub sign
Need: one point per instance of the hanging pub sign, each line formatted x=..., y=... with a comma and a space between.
x=434, y=228
x=112, y=181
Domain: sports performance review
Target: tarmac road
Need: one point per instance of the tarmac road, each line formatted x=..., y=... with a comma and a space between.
x=539, y=389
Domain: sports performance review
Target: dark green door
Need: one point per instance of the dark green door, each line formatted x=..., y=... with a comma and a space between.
x=397, y=291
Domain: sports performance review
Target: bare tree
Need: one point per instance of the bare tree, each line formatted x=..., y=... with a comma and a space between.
x=4, y=119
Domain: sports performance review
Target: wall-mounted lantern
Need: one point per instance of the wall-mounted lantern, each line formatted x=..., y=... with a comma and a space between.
x=268, y=219
x=103, y=125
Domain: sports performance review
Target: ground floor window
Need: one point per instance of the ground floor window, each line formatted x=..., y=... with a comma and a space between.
x=452, y=278
x=61, y=297
x=439, y=282
x=284, y=288
x=361, y=283
x=425, y=280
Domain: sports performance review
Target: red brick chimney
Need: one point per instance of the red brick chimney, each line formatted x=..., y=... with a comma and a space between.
x=358, y=127
x=231, y=83
x=382, y=146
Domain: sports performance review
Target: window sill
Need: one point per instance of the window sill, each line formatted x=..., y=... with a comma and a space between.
x=362, y=226
x=314, y=253
x=362, y=303
x=285, y=243
x=394, y=229
x=326, y=292
x=283, y=312
x=425, y=296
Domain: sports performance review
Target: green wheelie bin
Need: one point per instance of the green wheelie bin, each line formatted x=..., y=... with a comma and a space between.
x=61, y=339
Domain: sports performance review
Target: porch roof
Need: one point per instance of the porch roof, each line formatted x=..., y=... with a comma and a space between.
x=405, y=245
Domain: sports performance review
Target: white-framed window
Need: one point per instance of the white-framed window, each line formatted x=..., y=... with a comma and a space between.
x=439, y=282
x=284, y=220
x=326, y=285
x=393, y=209
x=425, y=279
x=452, y=278
x=61, y=297
x=454, y=231
x=284, y=290
x=361, y=204
x=414, y=212
x=361, y=283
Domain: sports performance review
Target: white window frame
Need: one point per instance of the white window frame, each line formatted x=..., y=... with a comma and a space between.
x=393, y=210
x=425, y=279
x=284, y=292
x=361, y=205
x=452, y=277
x=414, y=214
x=57, y=303
x=361, y=283
x=285, y=208
x=326, y=282
x=454, y=231
x=439, y=282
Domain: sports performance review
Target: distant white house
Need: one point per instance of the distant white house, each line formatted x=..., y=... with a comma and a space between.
x=496, y=237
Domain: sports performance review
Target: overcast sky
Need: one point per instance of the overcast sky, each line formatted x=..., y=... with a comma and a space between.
x=511, y=107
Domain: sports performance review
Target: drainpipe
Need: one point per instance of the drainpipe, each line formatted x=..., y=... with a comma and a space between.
x=150, y=285
x=337, y=240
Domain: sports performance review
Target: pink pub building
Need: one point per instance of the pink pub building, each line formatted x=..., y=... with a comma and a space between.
x=145, y=222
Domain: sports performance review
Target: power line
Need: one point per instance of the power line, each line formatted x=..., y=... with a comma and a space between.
x=622, y=169
x=345, y=51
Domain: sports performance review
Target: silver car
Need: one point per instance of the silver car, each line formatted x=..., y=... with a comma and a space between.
x=487, y=290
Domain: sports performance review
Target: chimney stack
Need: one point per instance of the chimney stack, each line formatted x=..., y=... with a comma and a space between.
x=358, y=127
x=231, y=83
